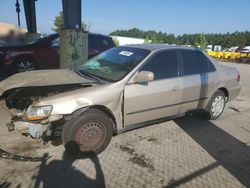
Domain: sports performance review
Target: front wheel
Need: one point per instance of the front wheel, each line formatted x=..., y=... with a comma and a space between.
x=216, y=105
x=24, y=64
x=90, y=132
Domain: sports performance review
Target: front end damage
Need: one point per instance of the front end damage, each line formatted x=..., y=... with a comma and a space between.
x=18, y=102
x=36, y=129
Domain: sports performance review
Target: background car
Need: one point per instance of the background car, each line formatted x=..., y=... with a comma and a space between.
x=246, y=49
x=44, y=53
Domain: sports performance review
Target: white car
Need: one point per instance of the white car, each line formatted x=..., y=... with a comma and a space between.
x=246, y=49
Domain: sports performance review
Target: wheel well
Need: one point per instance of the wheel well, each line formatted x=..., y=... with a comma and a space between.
x=225, y=91
x=104, y=109
x=108, y=113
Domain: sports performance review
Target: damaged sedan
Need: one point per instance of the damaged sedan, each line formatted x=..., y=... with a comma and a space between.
x=121, y=89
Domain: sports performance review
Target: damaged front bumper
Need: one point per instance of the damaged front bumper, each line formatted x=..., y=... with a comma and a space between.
x=36, y=129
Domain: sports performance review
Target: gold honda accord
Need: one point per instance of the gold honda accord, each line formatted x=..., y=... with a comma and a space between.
x=121, y=89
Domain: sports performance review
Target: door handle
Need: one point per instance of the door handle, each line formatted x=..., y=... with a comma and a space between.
x=96, y=51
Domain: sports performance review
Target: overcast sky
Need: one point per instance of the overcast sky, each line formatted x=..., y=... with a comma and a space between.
x=171, y=16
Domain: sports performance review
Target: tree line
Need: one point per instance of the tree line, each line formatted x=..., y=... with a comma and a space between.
x=226, y=40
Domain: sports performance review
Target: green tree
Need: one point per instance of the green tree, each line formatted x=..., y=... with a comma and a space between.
x=116, y=41
x=58, y=23
x=200, y=39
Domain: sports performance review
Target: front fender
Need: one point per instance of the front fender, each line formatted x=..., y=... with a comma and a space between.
x=109, y=96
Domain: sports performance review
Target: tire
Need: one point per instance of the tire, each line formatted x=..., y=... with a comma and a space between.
x=24, y=64
x=89, y=133
x=218, y=100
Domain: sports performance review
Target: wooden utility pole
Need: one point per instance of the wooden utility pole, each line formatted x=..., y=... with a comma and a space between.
x=73, y=39
x=30, y=15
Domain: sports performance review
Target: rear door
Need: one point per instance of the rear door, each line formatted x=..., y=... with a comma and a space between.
x=158, y=98
x=48, y=54
x=198, y=76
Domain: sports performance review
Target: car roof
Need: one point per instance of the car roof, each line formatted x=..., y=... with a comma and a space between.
x=57, y=35
x=154, y=47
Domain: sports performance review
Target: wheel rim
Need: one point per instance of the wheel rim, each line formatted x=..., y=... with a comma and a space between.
x=25, y=66
x=89, y=136
x=218, y=105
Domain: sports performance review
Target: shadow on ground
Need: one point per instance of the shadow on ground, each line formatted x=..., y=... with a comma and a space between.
x=228, y=151
x=62, y=173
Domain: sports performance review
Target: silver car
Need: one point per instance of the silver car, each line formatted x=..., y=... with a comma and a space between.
x=123, y=88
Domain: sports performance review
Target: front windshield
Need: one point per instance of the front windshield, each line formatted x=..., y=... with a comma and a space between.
x=115, y=63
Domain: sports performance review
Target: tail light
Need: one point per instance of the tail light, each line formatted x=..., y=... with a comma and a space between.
x=238, y=77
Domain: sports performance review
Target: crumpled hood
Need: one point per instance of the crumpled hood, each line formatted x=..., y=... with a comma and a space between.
x=42, y=78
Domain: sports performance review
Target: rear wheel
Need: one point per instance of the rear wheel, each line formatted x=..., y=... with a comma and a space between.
x=90, y=132
x=24, y=64
x=216, y=105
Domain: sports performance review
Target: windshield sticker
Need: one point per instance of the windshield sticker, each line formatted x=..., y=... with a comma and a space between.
x=126, y=53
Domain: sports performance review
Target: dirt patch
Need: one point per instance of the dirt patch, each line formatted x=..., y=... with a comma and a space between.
x=137, y=159
x=127, y=149
x=154, y=140
x=142, y=161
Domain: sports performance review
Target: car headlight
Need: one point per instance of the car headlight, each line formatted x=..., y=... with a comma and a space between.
x=38, y=112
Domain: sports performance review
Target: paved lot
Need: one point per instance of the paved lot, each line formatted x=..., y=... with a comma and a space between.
x=187, y=152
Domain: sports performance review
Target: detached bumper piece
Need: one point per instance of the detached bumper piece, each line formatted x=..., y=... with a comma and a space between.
x=36, y=130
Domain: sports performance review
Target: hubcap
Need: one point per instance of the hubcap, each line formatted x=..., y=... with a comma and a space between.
x=218, y=105
x=90, y=135
x=25, y=66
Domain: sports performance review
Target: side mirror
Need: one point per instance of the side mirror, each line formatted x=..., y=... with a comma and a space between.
x=144, y=76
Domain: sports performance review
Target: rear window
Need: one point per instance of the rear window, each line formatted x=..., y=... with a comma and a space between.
x=195, y=62
x=96, y=41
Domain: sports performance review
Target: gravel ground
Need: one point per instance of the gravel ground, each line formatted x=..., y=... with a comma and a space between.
x=186, y=152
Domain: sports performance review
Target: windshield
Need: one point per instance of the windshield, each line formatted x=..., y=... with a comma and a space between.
x=115, y=63
x=21, y=40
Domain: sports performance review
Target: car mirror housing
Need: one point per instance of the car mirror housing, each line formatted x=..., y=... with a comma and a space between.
x=144, y=76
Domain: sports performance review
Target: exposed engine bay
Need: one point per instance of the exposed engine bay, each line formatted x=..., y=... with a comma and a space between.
x=21, y=98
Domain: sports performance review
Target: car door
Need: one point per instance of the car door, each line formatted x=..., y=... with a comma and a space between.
x=198, y=77
x=158, y=98
x=48, y=54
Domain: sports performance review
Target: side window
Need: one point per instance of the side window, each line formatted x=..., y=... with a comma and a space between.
x=190, y=63
x=91, y=42
x=204, y=63
x=163, y=65
x=96, y=41
x=55, y=42
x=195, y=62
